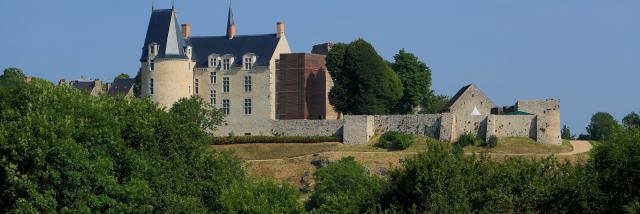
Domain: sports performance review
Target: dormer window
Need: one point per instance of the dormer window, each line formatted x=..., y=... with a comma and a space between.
x=189, y=51
x=248, y=60
x=153, y=50
x=214, y=60
x=227, y=61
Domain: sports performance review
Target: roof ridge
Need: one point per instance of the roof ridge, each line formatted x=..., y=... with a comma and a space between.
x=246, y=35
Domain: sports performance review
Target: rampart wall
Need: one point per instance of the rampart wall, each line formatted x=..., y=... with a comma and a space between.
x=307, y=127
x=511, y=126
x=543, y=125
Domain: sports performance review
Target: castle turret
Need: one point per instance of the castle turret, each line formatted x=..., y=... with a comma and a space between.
x=166, y=72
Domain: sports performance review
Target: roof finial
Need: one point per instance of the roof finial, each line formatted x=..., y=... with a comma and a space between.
x=173, y=4
x=153, y=5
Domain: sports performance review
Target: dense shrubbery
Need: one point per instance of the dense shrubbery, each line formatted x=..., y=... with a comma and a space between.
x=64, y=151
x=271, y=139
x=441, y=181
x=491, y=143
x=395, y=140
x=344, y=187
x=467, y=139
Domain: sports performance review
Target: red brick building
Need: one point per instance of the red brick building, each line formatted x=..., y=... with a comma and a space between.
x=302, y=88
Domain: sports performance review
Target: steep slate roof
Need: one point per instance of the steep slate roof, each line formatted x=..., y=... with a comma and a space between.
x=165, y=31
x=121, y=86
x=84, y=86
x=263, y=46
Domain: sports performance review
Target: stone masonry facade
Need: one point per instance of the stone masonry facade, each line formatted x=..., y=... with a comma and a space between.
x=468, y=112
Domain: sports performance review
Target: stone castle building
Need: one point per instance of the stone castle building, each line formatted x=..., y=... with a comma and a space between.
x=235, y=73
x=264, y=89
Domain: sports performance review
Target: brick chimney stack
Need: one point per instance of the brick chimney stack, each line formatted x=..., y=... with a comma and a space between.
x=231, y=25
x=231, y=31
x=186, y=31
x=280, y=29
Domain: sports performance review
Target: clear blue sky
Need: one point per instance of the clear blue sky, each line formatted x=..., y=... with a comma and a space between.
x=584, y=52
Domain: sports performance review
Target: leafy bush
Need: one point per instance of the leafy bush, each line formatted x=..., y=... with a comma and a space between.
x=467, y=139
x=439, y=181
x=262, y=197
x=216, y=140
x=395, y=140
x=344, y=186
x=491, y=143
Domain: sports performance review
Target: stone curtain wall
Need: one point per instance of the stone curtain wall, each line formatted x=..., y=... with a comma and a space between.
x=358, y=129
x=307, y=128
x=420, y=124
x=476, y=125
x=511, y=126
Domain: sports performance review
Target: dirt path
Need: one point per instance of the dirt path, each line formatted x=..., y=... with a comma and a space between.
x=579, y=146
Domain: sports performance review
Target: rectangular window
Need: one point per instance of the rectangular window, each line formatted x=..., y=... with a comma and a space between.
x=248, y=65
x=247, y=106
x=226, y=105
x=196, y=87
x=151, y=86
x=225, y=84
x=212, y=97
x=212, y=78
x=226, y=64
x=247, y=84
x=152, y=65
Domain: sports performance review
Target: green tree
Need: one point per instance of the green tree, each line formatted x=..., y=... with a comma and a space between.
x=363, y=82
x=566, y=133
x=631, y=121
x=434, y=104
x=344, y=187
x=64, y=151
x=416, y=80
x=616, y=164
x=122, y=76
x=601, y=126
x=15, y=73
x=136, y=86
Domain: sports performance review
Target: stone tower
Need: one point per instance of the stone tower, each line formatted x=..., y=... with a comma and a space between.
x=166, y=66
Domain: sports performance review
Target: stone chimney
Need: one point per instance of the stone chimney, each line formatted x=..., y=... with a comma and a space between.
x=280, y=29
x=186, y=31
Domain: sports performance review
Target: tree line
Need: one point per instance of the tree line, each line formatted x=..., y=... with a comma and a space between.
x=364, y=83
x=62, y=150
x=602, y=125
